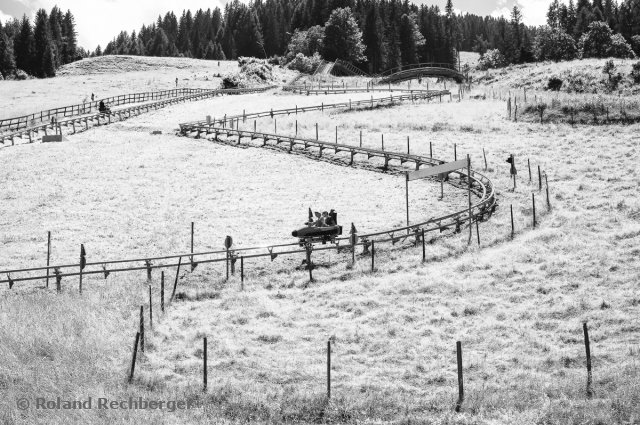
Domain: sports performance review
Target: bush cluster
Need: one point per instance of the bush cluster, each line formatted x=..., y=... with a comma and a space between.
x=491, y=59
x=305, y=64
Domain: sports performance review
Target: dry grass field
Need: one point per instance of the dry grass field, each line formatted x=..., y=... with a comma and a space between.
x=517, y=305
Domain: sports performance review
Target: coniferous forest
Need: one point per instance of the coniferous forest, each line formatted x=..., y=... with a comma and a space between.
x=393, y=32
x=374, y=35
x=38, y=48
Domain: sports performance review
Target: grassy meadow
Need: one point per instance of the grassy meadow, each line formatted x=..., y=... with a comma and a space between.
x=517, y=305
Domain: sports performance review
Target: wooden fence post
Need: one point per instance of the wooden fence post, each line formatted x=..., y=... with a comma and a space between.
x=204, y=370
x=162, y=292
x=175, y=283
x=547, y=189
x=373, y=255
x=460, y=377
x=485, y=159
x=587, y=348
x=242, y=273
x=192, y=225
x=82, y=264
x=328, y=369
x=142, y=328
x=424, y=252
x=150, y=309
x=48, y=254
x=539, y=178
x=512, y=226
x=533, y=202
x=529, y=166
x=133, y=360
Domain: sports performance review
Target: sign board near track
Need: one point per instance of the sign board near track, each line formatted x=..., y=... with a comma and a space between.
x=438, y=169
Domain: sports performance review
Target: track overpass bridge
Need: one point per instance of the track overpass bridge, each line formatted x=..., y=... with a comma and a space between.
x=420, y=70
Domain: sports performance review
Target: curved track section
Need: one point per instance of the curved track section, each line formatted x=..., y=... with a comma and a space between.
x=480, y=210
x=481, y=186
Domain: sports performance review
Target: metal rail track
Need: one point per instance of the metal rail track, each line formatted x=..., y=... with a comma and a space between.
x=84, y=122
x=481, y=187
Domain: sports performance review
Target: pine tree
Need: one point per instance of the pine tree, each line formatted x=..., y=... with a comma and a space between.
x=373, y=39
x=7, y=59
x=553, y=14
x=572, y=18
x=343, y=38
x=513, y=48
x=410, y=39
x=160, y=44
x=24, y=47
x=55, y=27
x=48, y=62
x=70, y=38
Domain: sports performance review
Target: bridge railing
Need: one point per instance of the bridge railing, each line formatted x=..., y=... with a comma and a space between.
x=391, y=71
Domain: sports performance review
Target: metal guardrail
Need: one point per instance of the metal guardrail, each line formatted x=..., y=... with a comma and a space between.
x=31, y=120
x=120, y=113
x=481, y=187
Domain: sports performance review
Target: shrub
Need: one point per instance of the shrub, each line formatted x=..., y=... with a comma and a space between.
x=257, y=70
x=554, y=44
x=554, y=84
x=305, y=64
x=635, y=72
x=21, y=75
x=491, y=59
x=600, y=42
x=596, y=42
x=620, y=48
x=635, y=44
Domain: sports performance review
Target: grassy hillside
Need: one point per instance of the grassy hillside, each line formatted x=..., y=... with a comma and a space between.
x=106, y=76
x=517, y=305
x=579, y=76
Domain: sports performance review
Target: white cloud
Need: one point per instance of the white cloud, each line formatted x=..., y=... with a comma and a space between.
x=503, y=11
x=534, y=12
x=4, y=17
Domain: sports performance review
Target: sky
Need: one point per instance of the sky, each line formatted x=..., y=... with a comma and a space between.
x=99, y=21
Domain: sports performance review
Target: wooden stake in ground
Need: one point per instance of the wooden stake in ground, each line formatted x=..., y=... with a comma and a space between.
x=142, y=328
x=150, y=309
x=48, y=255
x=329, y=369
x=539, y=178
x=469, y=186
x=192, y=267
x=175, y=283
x=204, y=369
x=533, y=202
x=162, y=292
x=485, y=159
x=512, y=226
x=587, y=348
x=373, y=255
x=135, y=354
x=83, y=263
x=547, y=189
x=460, y=377
x=242, y=273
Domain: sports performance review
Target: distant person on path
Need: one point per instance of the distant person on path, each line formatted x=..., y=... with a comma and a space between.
x=103, y=108
x=92, y=97
x=176, y=81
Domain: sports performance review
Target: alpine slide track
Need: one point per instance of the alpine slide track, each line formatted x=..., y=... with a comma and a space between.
x=226, y=130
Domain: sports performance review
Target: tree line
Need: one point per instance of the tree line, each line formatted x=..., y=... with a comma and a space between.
x=40, y=48
x=394, y=32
